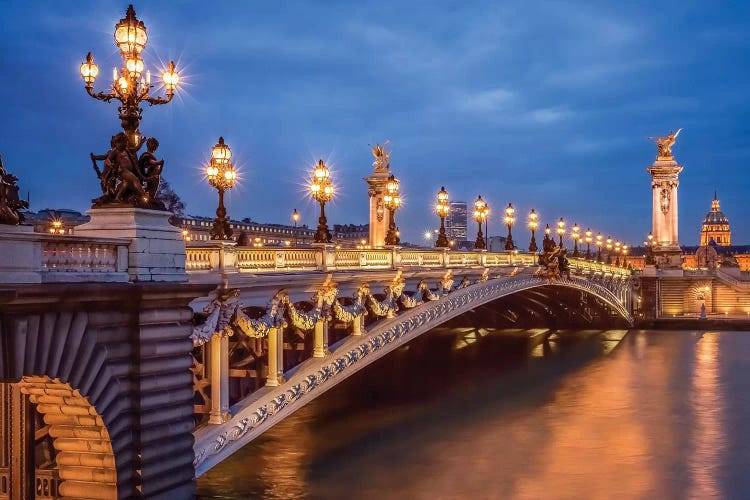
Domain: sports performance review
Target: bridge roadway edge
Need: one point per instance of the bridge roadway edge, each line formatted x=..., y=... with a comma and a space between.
x=268, y=406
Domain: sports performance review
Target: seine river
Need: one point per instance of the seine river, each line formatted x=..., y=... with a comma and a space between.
x=478, y=414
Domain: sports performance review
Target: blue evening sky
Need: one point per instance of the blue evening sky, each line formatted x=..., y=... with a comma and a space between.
x=547, y=104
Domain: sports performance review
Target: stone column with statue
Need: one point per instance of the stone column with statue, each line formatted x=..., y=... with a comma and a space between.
x=664, y=182
x=377, y=181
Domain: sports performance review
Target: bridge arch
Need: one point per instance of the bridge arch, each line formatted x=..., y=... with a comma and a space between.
x=79, y=398
x=252, y=417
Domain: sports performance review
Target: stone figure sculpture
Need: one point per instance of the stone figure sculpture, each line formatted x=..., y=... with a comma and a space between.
x=10, y=203
x=125, y=179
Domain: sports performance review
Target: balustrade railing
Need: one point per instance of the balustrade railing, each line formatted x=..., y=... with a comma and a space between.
x=245, y=348
x=82, y=256
x=206, y=258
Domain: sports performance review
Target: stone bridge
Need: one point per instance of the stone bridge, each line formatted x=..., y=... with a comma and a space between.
x=114, y=387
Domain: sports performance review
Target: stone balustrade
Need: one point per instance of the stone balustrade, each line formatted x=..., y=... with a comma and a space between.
x=226, y=257
x=29, y=257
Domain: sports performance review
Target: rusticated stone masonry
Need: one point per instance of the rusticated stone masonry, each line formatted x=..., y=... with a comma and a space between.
x=108, y=367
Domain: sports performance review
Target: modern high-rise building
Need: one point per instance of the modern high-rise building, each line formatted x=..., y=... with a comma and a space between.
x=456, y=222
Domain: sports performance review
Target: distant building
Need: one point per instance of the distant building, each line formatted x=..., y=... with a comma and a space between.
x=456, y=222
x=66, y=218
x=250, y=232
x=715, y=226
x=350, y=234
x=496, y=243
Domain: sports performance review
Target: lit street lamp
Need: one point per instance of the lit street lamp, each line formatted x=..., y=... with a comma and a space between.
x=221, y=175
x=561, y=230
x=129, y=85
x=533, y=224
x=481, y=212
x=650, y=250
x=599, y=244
x=609, y=250
x=624, y=256
x=392, y=203
x=510, y=219
x=548, y=241
x=576, y=235
x=321, y=190
x=588, y=240
x=295, y=220
x=442, y=209
x=617, y=252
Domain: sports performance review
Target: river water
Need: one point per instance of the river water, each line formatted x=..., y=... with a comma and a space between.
x=504, y=414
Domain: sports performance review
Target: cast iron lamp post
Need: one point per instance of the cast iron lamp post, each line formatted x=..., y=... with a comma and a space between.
x=321, y=190
x=588, y=240
x=510, y=219
x=442, y=209
x=392, y=203
x=548, y=238
x=481, y=212
x=576, y=235
x=624, y=256
x=221, y=175
x=609, y=250
x=295, y=220
x=650, y=250
x=561, y=230
x=599, y=244
x=129, y=86
x=618, y=246
x=533, y=224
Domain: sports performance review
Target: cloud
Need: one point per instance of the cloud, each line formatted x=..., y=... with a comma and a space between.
x=486, y=101
x=544, y=116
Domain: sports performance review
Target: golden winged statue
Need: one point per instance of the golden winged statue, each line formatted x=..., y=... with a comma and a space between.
x=382, y=156
x=664, y=144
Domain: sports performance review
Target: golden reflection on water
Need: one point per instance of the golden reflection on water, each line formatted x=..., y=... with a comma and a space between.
x=642, y=420
x=707, y=405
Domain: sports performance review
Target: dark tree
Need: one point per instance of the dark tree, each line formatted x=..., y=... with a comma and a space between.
x=172, y=202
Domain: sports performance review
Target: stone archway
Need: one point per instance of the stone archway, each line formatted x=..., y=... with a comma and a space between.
x=84, y=457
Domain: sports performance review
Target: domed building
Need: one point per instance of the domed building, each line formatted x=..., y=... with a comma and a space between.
x=716, y=226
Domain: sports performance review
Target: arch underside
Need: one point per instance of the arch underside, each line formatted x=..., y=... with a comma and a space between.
x=535, y=298
x=84, y=456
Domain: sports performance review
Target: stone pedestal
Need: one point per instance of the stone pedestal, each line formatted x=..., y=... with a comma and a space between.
x=156, y=251
x=664, y=182
x=379, y=215
x=20, y=255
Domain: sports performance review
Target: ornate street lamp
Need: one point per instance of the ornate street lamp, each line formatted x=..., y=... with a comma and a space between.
x=321, y=190
x=599, y=244
x=510, y=219
x=481, y=212
x=533, y=224
x=221, y=175
x=609, y=250
x=56, y=226
x=588, y=240
x=295, y=220
x=624, y=256
x=650, y=250
x=576, y=235
x=617, y=253
x=548, y=241
x=392, y=203
x=561, y=230
x=129, y=85
x=442, y=209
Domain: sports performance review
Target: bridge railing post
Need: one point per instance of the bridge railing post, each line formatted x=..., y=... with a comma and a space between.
x=325, y=256
x=320, y=338
x=219, y=355
x=444, y=261
x=275, y=357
